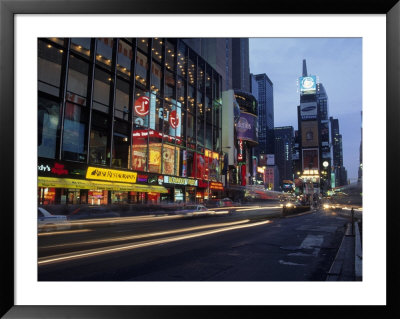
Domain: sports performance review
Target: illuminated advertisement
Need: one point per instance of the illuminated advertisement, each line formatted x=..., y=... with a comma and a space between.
x=308, y=110
x=246, y=127
x=310, y=159
x=106, y=174
x=270, y=159
x=180, y=180
x=309, y=133
x=308, y=84
x=216, y=186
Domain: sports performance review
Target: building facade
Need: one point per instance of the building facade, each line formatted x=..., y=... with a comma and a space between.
x=284, y=145
x=265, y=92
x=127, y=120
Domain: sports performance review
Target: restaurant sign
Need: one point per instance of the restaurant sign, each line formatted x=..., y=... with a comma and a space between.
x=111, y=175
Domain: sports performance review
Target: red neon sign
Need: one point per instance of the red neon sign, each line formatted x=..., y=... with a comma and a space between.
x=174, y=119
x=142, y=106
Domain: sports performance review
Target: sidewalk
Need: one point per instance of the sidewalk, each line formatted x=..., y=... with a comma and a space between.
x=347, y=265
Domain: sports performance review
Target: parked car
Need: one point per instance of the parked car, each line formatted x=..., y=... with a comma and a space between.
x=90, y=212
x=49, y=222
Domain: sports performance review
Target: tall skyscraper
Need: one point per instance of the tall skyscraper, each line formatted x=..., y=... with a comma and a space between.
x=240, y=64
x=337, y=151
x=265, y=90
x=284, y=143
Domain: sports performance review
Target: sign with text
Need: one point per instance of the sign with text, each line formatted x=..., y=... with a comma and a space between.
x=246, y=127
x=180, y=181
x=113, y=175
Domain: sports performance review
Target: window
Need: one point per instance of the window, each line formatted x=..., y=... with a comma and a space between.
x=170, y=56
x=143, y=44
x=142, y=67
x=124, y=58
x=49, y=68
x=77, y=80
x=101, y=90
x=75, y=130
x=169, y=91
x=81, y=46
x=122, y=100
x=99, y=151
x=120, y=150
x=139, y=149
x=104, y=52
x=156, y=78
x=48, y=122
x=181, y=66
x=157, y=49
x=180, y=90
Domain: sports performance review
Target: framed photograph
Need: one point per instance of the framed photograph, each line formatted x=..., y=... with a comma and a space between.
x=26, y=29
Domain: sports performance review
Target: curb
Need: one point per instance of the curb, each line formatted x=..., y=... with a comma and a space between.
x=347, y=265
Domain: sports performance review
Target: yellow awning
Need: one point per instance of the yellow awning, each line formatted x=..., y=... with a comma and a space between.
x=98, y=185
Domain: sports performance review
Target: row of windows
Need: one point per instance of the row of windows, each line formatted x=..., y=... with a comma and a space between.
x=179, y=116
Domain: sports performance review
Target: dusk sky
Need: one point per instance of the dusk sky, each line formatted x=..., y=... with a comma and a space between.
x=337, y=63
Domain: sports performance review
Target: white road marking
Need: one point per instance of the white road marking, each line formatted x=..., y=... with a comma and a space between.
x=312, y=242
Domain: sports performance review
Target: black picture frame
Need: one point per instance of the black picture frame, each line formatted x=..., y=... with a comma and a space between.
x=8, y=10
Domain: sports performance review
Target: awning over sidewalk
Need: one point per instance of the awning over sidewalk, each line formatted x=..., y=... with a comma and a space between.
x=99, y=185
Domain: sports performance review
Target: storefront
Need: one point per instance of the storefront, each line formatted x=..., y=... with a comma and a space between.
x=71, y=183
x=180, y=189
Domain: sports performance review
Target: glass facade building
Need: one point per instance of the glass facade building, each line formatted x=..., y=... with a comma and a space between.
x=150, y=107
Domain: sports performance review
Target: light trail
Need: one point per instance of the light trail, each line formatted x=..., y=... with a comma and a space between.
x=125, y=238
x=258, y=208
x=65, y=232
x=96, y=252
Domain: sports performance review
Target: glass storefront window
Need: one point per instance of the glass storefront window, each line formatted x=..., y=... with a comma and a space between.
x=75, y=130
x=49, y=68
x=48, y=122
x=121, y=109
x=191, y=133
x=209, y=134
x=73, y=196
x=77, y=80
x=97, y=197
x=157, y=49
x=141, y=69
x=101, y=90
x=200, y=132
x=104, y=51
x=190, y=164
x=119, y=197
x=124, y=58
x=81, y=46
x=200, y=105
x=208, y=82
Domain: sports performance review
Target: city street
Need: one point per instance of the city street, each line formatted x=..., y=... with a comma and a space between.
x=251, y=243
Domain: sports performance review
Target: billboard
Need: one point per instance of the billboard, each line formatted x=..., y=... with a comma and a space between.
x=270, y=159
x=310, y=159
x=309, y=134
x=246, y=127
x=308, y=85
x=308, y=110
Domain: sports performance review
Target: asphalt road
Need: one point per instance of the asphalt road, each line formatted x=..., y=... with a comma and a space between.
x=250, y=244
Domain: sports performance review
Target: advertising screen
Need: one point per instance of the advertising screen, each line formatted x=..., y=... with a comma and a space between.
x=308, y=110
x=308, y=85
x=310, y=159
x=309, y=133
x=246, y=127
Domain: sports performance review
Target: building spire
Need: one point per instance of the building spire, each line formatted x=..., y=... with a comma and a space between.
x=304, y=67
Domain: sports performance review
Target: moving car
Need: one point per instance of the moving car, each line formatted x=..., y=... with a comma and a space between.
x=226, y=202
x=194, y=210
x=49, y=222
